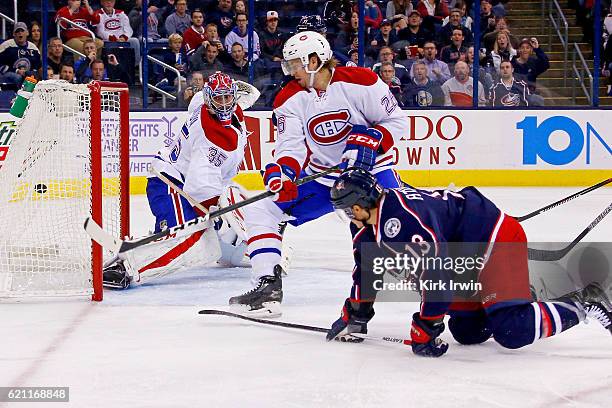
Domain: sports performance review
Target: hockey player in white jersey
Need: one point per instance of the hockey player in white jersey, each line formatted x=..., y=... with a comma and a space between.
x=326, y=115
x=201, y=161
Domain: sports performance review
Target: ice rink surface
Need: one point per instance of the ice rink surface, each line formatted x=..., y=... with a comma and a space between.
x=148, y=347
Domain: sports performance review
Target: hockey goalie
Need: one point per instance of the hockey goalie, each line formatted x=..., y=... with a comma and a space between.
x=200, y=162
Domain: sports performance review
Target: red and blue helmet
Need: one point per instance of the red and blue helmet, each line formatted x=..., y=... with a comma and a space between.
x=221, y=95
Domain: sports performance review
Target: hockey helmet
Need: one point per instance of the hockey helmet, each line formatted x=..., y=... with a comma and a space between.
x=312, y=23
x=300, y=47
x=221, y=95
x=355, y=186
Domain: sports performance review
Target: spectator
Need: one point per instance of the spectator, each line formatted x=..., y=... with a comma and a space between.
x=436, y=70
x=315, y=23
x=180, y=20
x=114, y=25
x=398, y=7
x=488, y=40
x=384, y=38
x=386, y=54
x=56, y=55
x=433, y=12
x=67, y=73
x=353, y=60
x=238, y=67
x=72, y=34
x=422, y=91
x=195, y=35
x=528, y=67
x=135, y=17
x=485, y=74
x=502, y=50
x=112, y=72
x=223, y=17
x=466, y=20
x=446, y=32
x=508, y=91
x=487, y=18
x=36, y=36
x=373, y=15
x=387, y=74
x=459, y=89
x=415, y=33
x=83, y=65
x=176, y=58
x=455, y=51
x=239, y=7
x=206, y=60
x=272, y=40
x=349, y=33
x=196, y=83
x=239, y=34
x=337, y=14
x=18, y=56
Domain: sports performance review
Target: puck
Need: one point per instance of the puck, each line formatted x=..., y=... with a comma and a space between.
x=40, y=188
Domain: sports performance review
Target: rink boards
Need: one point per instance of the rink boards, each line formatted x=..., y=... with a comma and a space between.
x=466, y=147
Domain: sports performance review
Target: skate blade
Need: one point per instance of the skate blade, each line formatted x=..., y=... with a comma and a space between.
x=270, y=310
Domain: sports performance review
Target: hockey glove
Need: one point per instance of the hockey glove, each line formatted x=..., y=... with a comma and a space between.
x=361, y=147
x=280, y=179
x=351, y=321
x=424, y=335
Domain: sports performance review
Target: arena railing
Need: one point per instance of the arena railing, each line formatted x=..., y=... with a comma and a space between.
x=59, y=32
x=581, y=72
x=8, y=19
x=557, y=19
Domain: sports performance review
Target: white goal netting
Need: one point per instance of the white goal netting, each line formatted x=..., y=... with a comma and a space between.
x=46, y=191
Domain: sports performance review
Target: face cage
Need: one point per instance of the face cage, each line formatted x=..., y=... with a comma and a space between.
x=225, y=109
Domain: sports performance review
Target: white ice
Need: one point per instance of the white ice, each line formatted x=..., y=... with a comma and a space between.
x=148, y=347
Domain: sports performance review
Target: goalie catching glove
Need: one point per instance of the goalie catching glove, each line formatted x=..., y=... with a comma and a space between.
x=424, y=335
x=280, y=179
x=361, y=147
x=351, y=321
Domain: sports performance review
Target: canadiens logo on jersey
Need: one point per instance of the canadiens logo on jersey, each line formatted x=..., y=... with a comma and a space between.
x=330, y=127
x=112, y=24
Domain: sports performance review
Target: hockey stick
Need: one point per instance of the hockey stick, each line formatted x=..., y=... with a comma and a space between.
x=179, y=190
x=295, y=325
x=120, y=246
x=562, y=201
x=555, y=255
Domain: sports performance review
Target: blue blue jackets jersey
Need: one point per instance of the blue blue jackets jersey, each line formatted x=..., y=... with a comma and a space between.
x=421, y=223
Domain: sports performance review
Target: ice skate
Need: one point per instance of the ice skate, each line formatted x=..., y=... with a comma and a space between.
x=116, y=276
x=264, y=299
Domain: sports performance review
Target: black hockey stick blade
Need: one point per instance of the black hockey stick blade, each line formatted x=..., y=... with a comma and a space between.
x=563, y=201
x=121, y=246
x=555, y=255
x=385, y=339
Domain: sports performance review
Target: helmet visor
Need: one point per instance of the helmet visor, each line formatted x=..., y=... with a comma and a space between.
x=292, y=67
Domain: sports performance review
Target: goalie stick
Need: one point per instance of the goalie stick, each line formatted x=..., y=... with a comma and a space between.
x=562, y=201
x=385, y=339
x=555, y=255
x=120, y=246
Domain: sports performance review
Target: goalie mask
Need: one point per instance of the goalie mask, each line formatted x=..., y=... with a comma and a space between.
x=220, y=95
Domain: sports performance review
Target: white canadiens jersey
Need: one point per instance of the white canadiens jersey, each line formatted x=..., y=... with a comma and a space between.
x=116, y=24
x=314, y=126
x=205, y=155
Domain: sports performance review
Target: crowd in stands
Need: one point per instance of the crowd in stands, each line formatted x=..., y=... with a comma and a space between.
x=424, y=49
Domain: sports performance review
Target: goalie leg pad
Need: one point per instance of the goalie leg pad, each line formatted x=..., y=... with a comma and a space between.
x=172, y=255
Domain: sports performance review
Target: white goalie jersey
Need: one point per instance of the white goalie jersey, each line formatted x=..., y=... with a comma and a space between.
x=205, y=155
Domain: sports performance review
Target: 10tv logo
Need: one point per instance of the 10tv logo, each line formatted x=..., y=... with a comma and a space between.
x=536, y=140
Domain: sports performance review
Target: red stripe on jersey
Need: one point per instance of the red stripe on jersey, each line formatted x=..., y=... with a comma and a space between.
x=173, y=253
x=354, y=75
x=547, y=326
x=386, y=142
x=358, y=234
x=270, y=235
x=216, y=133
x=287, y=92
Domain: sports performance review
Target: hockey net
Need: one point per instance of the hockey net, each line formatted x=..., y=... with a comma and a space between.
x=69, y=160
